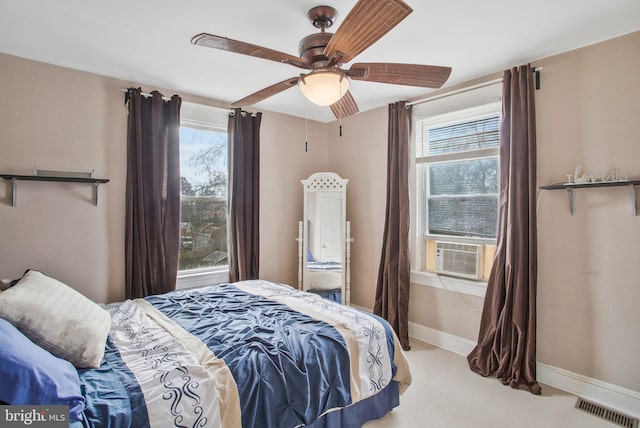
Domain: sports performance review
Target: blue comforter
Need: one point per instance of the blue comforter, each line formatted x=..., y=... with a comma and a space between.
x=288, y=357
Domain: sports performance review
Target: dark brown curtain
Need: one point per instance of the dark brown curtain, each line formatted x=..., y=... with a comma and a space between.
x=507, y=337
x=392, y=291
x=152, y=236
x=244, y=194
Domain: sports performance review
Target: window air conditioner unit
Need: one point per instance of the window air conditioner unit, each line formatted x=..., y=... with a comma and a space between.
x=463, y=260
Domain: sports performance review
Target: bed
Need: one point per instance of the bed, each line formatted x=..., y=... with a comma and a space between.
x=252, y=354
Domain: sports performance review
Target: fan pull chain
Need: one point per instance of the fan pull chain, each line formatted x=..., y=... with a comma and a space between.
x=341, y=106
x=306, y=127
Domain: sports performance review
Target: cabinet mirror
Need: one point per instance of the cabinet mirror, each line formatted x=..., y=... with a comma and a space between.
x=324, y=250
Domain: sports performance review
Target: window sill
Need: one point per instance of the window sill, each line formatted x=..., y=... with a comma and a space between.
x=200, y=278
x=457, y=285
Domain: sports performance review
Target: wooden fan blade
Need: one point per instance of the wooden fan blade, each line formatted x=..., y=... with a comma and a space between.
x=346, y=106
x=426, y=76
x=364, y=25
x=230, y=45
x=267, y=92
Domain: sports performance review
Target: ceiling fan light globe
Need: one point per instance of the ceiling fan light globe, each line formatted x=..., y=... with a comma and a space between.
x=324, y=87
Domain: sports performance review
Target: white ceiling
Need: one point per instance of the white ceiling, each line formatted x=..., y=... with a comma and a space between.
x=148, y=41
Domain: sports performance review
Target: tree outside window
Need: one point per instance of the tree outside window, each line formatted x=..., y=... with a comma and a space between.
x=203, y=166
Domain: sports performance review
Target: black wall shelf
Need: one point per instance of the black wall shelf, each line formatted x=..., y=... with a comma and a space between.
x=14, y=178
x=569, y=188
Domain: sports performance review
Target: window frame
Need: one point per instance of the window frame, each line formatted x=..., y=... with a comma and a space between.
x=206, y=118
x=457, y=108
x=459, y=116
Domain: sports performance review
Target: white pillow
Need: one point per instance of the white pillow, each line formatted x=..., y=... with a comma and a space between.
x=57, y=318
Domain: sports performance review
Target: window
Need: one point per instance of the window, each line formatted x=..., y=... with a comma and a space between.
x=204, y=172
x=203, y=175
x=456, y=180
x=461, y=177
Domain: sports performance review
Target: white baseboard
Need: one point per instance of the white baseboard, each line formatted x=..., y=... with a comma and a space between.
x=456, y=344
x=607, y=394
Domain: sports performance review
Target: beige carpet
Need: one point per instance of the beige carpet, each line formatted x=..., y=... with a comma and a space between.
x=446, y=394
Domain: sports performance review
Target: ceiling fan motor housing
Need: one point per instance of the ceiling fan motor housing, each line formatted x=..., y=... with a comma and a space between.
x=312, y=48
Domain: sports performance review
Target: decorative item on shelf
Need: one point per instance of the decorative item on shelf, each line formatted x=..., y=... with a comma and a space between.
x=613, y=176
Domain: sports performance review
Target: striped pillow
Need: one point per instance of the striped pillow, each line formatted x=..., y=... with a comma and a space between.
x=57, y=318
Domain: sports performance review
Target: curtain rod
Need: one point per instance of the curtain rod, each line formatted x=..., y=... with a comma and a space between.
x=457, y=91
x=536, y=71
x=145, y=94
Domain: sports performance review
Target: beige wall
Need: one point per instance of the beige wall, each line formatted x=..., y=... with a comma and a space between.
x=360, y=156
x=283, y=164
x=61, y=119
x=587, y=112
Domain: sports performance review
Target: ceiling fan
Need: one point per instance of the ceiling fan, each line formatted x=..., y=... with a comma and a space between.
x=324, y=53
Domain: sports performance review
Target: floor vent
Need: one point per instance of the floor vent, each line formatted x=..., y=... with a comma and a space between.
x=607, y=414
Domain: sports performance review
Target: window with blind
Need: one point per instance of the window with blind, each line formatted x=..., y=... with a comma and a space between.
x=461, y=176
x=457, y=173
x=455, y=192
